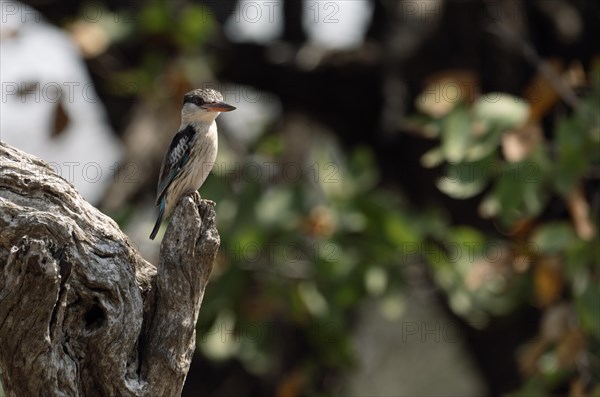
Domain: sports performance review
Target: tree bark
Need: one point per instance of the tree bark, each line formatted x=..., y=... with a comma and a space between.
x=81, y=312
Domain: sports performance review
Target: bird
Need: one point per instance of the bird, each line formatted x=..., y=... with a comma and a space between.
x=192, y=152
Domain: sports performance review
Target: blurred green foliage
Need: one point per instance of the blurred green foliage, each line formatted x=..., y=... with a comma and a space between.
x=492, y=149
x=302, y=244
x=167, y=38
x=301, y=250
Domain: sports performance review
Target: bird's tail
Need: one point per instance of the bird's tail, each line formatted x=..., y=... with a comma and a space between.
x=161, y=212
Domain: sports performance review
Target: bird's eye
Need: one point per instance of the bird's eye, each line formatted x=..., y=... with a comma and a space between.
x=196, y=100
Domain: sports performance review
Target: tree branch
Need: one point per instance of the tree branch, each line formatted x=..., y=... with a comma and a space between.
x=81, y=312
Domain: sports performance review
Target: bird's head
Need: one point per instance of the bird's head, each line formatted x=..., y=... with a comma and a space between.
x=203, y=105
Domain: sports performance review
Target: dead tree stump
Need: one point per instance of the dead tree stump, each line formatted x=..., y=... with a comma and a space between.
x=81, y=312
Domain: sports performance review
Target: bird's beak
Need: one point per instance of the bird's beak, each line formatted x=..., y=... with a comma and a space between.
x=218, y=107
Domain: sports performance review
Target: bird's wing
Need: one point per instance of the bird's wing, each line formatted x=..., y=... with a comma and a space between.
x=177, y=156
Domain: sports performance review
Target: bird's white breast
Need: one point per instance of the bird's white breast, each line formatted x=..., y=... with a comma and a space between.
x=204, y=154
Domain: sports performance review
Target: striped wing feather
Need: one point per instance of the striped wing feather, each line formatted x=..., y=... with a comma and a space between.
x=177, y=156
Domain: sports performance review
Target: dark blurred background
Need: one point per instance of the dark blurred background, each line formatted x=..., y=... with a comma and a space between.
x=407, y=195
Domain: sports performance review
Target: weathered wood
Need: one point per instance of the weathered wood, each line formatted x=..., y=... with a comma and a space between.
x=81, y=312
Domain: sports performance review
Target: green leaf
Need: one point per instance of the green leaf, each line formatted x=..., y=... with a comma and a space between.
x=501, y=110
x=572, y=158
x=393, y=305
x=398, y=230
x=460, y=190
x=313, y=299
x=195, y=25
x=362, y=168
x=456, y=134
x=553, y=237
x=587, y=308
x=464, y=180
x=464, y=245
x=154, y=18
x=376, y=280
x=534, y=175
x=423, y=125
x=588, y=115
x=432, y=158
x=485, y=145
x=274, y=208
x=506, y=199
x=580, y=255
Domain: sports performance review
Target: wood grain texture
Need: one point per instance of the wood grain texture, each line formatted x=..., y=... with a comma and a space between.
x=81, y=312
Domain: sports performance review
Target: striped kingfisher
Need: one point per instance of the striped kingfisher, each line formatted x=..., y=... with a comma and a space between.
x=192, y=152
